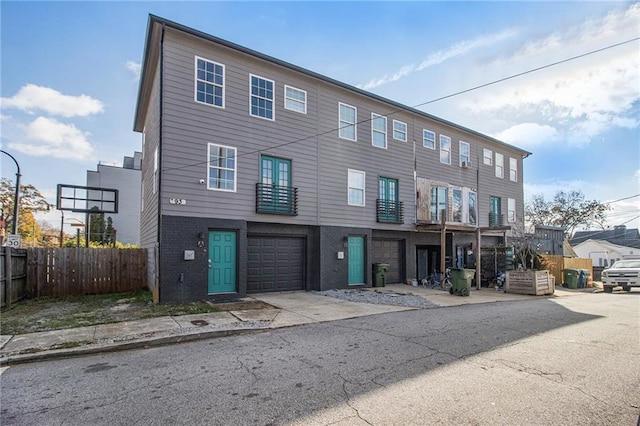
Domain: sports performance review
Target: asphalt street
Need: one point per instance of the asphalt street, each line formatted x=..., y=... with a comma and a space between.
x=545, y=361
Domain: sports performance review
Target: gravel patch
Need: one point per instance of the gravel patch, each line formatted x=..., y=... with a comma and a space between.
x=380, y=297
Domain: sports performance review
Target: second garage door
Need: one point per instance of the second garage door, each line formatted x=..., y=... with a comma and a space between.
x=275, y=264
x=391, y=252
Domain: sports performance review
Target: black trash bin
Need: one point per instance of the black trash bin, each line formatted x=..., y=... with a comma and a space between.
x=380, y=274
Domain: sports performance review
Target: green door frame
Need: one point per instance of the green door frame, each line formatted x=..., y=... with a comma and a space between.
x=356, y=260
x=276, y=172
x=388, y=194
x=222, y=262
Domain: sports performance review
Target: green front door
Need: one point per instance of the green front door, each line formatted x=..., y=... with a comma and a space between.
x=356, y=260
x=222, y=262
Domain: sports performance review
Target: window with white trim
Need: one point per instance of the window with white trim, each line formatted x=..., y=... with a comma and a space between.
x=222, y=168
x=465, y=154
x=511, y=209
x=399, y=131
x=347, y=121
x=378, y=130
x=209, y=82
x=445, y=149
x=262, y=97
x=488, y=156
x=438, y=203
x=356, y=181
x=499, y=165
x=295, y=99
x=513, y=169
x=428, y=139
x=155, y=170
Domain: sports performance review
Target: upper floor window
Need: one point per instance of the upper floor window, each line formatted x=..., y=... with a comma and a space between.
x=347, y=121
x=513, y=169
x=511, y=209
x=356, y=181
x=209, y=82
x=465, y=154
x=261, y=97
x=399, y=130
x=445, y=149
x=378, y=130
x=499, y=165
x=428, y=139
x=295, y=99
x=438, y=203
x=222, y=168
x=488, y=156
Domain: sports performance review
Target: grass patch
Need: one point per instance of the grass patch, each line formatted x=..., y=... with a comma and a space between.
x=46, y=313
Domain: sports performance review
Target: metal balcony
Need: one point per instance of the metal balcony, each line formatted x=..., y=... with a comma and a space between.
x=389, y=211
x=496, y=219
x=274, y=199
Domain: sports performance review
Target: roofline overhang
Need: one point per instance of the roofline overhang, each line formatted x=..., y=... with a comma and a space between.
x=153, y=36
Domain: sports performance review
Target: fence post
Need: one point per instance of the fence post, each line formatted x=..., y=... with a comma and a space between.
x=8, y=287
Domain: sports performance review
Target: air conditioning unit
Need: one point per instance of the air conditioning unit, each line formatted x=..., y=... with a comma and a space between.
x=465, y=164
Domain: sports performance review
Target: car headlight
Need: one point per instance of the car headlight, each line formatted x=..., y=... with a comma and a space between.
x=604, y=274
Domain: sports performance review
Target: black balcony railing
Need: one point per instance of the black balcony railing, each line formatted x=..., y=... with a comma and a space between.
x=389, y=211
x=496, y=219
x=276, y=199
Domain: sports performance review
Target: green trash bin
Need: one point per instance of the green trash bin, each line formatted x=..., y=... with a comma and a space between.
x=461, y=281
x=380, y=274
x=571, y=278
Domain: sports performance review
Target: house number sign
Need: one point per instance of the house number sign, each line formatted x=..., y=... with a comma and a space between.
x=178, y=201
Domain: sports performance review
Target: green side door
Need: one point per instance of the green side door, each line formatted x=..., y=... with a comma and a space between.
x=356, y=260
x=222, y=262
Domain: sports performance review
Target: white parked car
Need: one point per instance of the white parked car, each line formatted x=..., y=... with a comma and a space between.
x=624, y=273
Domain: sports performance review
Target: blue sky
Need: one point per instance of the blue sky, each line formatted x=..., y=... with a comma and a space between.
x=70, y=78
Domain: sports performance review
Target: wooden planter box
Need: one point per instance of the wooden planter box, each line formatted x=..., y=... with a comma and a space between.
x=536, y=283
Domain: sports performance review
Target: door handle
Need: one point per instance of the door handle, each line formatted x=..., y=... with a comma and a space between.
x=209, y=261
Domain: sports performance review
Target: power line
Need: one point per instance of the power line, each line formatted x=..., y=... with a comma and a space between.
x=424, y=103
x=622, y=199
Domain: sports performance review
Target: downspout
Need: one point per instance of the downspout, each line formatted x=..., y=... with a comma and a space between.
x=159, y=221
x=478, y=233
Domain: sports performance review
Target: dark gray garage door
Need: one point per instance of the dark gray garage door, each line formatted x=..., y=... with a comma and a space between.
x=391, y=252
x=275, y=264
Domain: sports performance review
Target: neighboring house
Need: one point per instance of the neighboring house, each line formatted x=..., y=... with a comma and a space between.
x=619, y=235
x=126, y=180
x=548, y=239
x=603, y=253
x=259, y=175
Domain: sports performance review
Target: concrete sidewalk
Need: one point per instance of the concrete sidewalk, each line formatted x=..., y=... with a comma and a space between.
x=290, y=309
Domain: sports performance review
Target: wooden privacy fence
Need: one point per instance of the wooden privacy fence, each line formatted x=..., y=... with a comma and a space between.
x=556, y=264
x=57, y=272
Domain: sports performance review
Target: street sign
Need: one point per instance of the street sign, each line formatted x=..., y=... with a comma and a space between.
x=14, y=241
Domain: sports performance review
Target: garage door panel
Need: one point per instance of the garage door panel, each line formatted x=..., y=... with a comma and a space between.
x=275, y=264
x=391, y=252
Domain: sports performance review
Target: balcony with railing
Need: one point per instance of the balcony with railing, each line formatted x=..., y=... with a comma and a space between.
x=389, y=211
x=274, y=199
x=496, y=219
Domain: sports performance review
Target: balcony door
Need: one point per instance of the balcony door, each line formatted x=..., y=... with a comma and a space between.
x=496, y=212
x=275, y=177
x=388, y=196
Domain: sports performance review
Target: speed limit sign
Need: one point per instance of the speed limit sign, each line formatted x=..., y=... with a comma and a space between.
x=14, y=241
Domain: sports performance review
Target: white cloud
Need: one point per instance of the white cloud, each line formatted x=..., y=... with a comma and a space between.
x=458, y=49
x=581, y=98
x=32, y=97
x=528, y=135
x=134, y=67
x=50, y=138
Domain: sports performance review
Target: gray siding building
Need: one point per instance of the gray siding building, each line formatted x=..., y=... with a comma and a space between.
x=126, y=180
x=258, y=175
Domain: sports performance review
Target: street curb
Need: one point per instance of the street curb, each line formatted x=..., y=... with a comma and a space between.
x=150, y=342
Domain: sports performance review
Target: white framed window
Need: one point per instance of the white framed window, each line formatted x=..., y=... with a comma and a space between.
x=399, y=131
x=445, y=149
x=439, y=202
x=209, y=82
x=472, y=210
x=222, y=168
x=356, y=182
x=295, y=99
x=155, y=170
x=465, y=154
x=262, y=97
x=378, y=130
x=487, y=154
x=513, y=169
x=428, y=139
x=499, y=165
x=347, y=121
x=511, y=209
